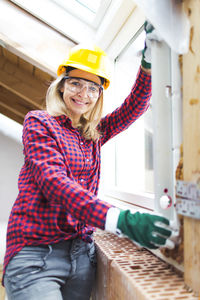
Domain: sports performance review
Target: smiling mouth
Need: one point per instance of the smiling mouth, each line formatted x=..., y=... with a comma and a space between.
x=79, y=102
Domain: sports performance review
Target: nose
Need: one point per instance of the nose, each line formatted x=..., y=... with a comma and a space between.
x=84, y=92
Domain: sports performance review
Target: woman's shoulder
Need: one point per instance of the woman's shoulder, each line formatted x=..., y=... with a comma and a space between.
x=37, y=114
x=40, y=115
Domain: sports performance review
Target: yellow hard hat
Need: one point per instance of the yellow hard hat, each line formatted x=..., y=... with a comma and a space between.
x=91, y=59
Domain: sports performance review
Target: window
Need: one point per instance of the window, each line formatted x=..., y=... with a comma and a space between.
x=133, y=148
x=78, y=20
x=129, y=171
x=89, y=11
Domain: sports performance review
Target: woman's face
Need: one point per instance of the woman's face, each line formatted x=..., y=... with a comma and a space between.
x=79, y=96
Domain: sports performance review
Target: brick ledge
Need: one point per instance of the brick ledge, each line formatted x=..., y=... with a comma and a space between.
x=126, y=272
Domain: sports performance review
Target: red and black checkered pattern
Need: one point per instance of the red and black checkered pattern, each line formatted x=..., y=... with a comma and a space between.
x=59, y=180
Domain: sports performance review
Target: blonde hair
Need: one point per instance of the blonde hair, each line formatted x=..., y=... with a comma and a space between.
x=89, y=121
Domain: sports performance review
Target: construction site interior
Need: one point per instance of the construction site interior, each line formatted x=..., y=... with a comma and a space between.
x=159, y=154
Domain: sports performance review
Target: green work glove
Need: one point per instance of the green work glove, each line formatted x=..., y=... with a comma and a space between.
x=146, y=229
x=151, y=35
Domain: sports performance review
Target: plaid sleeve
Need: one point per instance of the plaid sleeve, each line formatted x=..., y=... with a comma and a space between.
x=50, y=174
x=131, y=109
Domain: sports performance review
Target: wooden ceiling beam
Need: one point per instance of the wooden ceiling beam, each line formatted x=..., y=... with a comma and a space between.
x=14, y=111
x=13, y=106
x=10, y=114
x=21, y=83
x=19, y=51
x=15, y=102
x=21, y=96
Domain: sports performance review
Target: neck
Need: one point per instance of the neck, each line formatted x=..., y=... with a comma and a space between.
x=75, y=121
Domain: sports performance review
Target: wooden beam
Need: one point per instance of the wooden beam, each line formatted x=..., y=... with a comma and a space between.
x=13, y=106
x=12, y=110
x=16, y=103
x=30, y=39
x=22, y=83
x=12, y=115
x=24, y=65
x=21, y=96
x=26, y=55
x=42, y=75
x=10, y=56
x=191, y=141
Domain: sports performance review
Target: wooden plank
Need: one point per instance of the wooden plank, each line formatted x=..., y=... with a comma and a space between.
x=10, y=56
x=15, y=92
x=2, y=289
x=191, y=141
x=26, y=55
x=45, y=77
x=1, y=50
x=24, y=65
x=17, y=104
x=10, y=114
x=12, y=110
x=35, y=42
x=22, y=83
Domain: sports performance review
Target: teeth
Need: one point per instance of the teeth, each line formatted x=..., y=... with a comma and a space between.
x=78, y=102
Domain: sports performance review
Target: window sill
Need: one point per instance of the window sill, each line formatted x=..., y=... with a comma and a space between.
x=127, y=272
x=144, y=201
x=120, y=203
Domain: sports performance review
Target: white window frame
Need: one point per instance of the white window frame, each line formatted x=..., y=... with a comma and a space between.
x=104, y=5
x=60, y=20
x=114, y=25
x=167, y=103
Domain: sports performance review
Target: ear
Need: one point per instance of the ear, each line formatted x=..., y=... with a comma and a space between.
x=62, y=89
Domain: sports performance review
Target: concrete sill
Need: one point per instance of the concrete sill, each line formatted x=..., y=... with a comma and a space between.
x=126, y=272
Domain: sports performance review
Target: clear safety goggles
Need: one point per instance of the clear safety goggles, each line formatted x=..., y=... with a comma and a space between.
x=76, y=85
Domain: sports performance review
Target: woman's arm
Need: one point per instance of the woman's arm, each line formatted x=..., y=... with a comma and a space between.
x=131, y=109
x=148, y=71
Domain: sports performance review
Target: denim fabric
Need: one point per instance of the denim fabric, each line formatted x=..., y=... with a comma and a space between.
x=60, y=271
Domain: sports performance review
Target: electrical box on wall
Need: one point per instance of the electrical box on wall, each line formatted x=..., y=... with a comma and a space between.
x=188, y=199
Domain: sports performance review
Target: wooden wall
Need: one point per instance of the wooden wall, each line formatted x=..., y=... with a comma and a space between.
x=191, y=141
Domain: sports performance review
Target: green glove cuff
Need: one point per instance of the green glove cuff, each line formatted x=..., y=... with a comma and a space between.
x=145, y=64
x=146, y=53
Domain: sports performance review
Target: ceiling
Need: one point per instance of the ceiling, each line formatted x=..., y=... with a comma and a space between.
x=31, y=48
x=30, y=52
x=22, y=86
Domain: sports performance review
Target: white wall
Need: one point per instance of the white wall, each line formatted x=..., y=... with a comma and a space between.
x=11, y=160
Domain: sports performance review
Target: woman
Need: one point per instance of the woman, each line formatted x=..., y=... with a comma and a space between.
x=50, y=250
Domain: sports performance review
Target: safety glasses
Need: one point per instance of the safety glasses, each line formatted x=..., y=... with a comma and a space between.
x=76, y=85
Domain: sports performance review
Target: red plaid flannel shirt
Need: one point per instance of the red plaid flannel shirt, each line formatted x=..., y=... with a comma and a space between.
x=59, y=180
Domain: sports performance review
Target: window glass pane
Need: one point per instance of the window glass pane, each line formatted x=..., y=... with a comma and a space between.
x=92, y=5
x=83, y=9
x=134, y=147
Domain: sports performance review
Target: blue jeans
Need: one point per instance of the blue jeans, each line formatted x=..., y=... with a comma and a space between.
x=59, y=271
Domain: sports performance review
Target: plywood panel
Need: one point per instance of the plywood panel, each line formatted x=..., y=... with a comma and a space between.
x=191, y=141
x=2, y=289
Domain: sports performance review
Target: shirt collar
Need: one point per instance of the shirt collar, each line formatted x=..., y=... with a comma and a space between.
x=63, y=119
